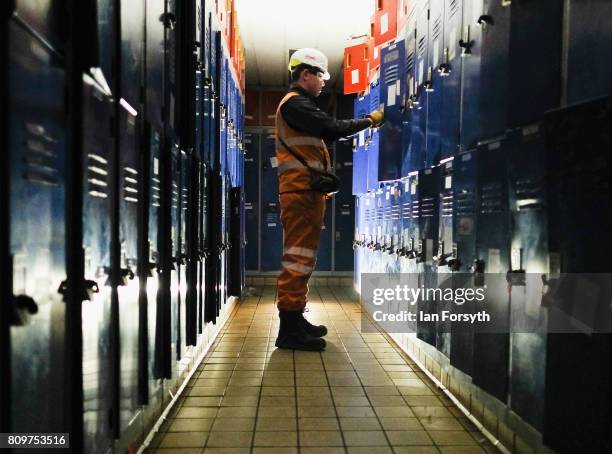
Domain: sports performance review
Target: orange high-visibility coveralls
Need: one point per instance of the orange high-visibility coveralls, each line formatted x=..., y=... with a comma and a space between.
x=302, y=210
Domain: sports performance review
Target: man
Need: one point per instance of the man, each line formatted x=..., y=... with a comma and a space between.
x=301, y=128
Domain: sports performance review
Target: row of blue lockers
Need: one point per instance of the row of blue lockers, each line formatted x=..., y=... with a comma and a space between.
x=525, y=207
x=466, y=71
x=264, y=231
x=123, y=189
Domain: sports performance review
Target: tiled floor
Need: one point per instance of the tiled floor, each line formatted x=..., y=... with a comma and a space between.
x=361, y=395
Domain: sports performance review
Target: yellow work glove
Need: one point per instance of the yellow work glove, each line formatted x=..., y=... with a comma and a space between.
x=377, y=118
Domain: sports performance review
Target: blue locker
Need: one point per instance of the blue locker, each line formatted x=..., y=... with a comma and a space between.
x=344, y=204
x=508, y=39
x=360, y=157
x=129, y=198
x=372, y=141
x=36, y=156
x=271, y=227
x=445, y=258
x=580, y=219
x=588, y=54
x=252, y=200
x=529, y=257
x=392, y=92
x=324, y=256
x=427, y=246
x=433, y=82
x=97, y=110
x=464, y=182
x=449, y=70
x=491, y=350
x=411, y=160
x=471, y=45
x=418, y=89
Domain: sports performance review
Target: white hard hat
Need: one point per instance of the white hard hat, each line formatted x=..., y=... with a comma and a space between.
x=311, y=57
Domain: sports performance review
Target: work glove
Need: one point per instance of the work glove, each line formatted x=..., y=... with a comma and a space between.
x=377, y=117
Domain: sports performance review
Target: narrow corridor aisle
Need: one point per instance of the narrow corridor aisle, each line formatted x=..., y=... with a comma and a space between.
x=361, y=395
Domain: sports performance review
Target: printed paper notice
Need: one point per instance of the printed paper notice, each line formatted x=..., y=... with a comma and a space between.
x=361, y=138
x=421, y=71
x=384, y=23
x=355, y=76
x=274, y=162
x=391, y=95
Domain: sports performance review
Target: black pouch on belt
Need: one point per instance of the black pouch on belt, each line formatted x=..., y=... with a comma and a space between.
x=320, y=180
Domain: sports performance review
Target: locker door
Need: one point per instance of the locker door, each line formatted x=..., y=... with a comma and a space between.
x=235, y=268
x=411, y=160
x=324, y=256
x=344, y=204
x=449, y=69
x=490, y=371
x=580, y=219
x=588, y=55
x=529, y=258
x=372, y=141
x=182, y=254
x=252, y=202
x=153, y=260
x=360, y=157
x=433, y=82
x=471, y=49
x=445, y=257
x=97, y=184
x=271, y=227
x=392, y=93
x=464, y=237
x=427, y=247
x=176, y=260
x=129, y=197
x=419, y=97
x=154, y=92
x=37, y=221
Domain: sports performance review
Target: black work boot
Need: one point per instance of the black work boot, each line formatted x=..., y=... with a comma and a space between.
x=292, y=335
x=313, y=330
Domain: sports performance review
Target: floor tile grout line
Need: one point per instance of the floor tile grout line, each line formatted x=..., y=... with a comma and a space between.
x=252, y=447
x=366, y=394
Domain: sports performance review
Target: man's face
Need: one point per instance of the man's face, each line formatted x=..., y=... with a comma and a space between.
x=313, y=83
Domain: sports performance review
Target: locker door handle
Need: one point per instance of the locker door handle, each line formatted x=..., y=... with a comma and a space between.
x=89, y=287
x=24, y=306
x=126, y=274
x=169, y=20
x=486, y=19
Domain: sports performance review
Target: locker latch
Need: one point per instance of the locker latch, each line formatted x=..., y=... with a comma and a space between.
x=445, y=69
x=23, y=308
x=169, y=20
x=466, y=43
x=486, y=19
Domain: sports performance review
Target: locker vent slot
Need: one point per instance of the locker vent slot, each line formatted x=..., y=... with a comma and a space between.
x=410, y=61
x=437, y=28
x=427, y=207
x=391, y=74
x=406, y=210
x=97, y=176
x=422, y=46
x=130, y=185
x=185, y=199
x=453, y=7
x=465, y=202
x=529, y=194
x=396, y=212
x=447, y=204
x=155, y=191
x=175, y=196
x=491, y=199
x=40, y=157
x=416, y=210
